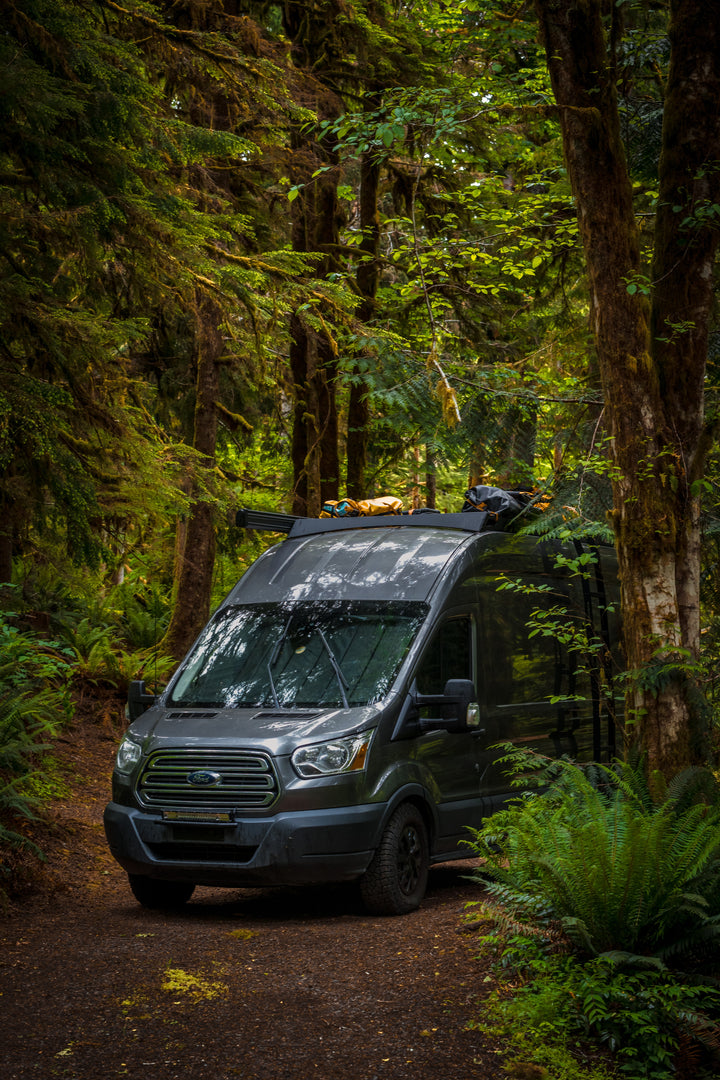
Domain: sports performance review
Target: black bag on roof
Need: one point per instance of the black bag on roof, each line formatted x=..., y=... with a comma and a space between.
x=496, y=501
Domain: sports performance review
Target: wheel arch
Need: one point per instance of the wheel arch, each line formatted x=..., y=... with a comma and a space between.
x=417, y=796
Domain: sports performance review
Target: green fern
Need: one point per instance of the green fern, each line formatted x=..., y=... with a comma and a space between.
x=34, y=702
x=616, y=869
x=87, y=637
x=142, y=663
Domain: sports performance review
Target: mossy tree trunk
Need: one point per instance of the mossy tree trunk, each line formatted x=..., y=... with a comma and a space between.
x=195, y=547
x=651, y=349
x=316, y=223
x=367, y=278
x=313, y=357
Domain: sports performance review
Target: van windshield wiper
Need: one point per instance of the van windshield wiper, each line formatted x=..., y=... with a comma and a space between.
x=273, y=660
x=342, y=681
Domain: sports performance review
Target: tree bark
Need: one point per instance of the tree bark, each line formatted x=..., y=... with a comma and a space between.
x=316, y=228
x=652, y=362
x=195, y=550
x=6, y=554
x=430, y=479
x=687, y=231
x=367, y=278
x=306, y=451
x=313, y=359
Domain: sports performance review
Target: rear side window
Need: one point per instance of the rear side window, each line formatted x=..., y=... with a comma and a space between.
x=522, y=669
x=528, y=657
x=536, y=691
x=449, y=656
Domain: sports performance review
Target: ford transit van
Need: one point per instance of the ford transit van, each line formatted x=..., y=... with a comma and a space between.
x=338, y=718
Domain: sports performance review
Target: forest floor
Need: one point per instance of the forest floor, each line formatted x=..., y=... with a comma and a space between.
x=282, y=984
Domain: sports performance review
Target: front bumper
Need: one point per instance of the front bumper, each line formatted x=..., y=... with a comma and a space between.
x=305, y=847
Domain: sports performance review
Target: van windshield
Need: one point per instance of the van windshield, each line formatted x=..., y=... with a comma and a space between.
x=298, y=655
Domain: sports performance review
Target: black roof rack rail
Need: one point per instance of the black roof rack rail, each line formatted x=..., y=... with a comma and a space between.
x=264, y=519
x=476, y=521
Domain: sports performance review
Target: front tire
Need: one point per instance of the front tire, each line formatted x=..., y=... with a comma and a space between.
x=395, y=881
x=153, y=893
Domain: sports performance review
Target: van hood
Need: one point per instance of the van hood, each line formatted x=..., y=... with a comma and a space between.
x=277, y=731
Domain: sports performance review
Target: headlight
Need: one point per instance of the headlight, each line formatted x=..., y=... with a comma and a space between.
x=128, y=755
x=329, y=758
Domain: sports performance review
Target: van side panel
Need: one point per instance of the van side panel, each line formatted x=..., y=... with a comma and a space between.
x=538, y=691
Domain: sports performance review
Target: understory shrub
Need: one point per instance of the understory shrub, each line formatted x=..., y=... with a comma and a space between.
x=98, y=657
x=563, y=1012
x=144, y=614
x=34, y=703
x=620, y=864
x=605, y=894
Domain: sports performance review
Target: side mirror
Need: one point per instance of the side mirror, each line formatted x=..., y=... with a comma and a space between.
x=468, y=710
x=138, y=699
x=456, y=708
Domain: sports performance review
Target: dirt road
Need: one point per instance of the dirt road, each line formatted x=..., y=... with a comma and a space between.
x=274, y=985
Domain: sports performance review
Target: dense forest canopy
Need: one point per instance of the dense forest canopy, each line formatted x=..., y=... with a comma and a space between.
x=272, y=254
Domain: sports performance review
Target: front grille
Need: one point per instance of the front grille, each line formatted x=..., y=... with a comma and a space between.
x=247, y=780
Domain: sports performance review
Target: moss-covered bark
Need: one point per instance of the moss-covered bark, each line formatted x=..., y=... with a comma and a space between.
x=652, y=356
x=313, y=360
x=195, y=555
x=367, y=282
x=316, y=223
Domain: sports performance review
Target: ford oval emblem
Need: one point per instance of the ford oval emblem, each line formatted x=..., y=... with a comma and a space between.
x=204, y=778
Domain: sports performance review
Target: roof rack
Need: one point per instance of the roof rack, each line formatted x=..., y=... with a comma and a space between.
x=484, y=507
x=467, y=521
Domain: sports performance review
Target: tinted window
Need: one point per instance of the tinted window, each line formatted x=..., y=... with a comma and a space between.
x=528, y=652
x=449, y=656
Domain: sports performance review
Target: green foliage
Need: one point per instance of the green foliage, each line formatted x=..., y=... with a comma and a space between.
x=114, y=218
x=561, y=1013
x=129, y=134
x=618, y=872
x=645, y=1018
x=46, y=783
x=99, y=659
x=608, y=887
x=85, y=638
x=34, y=702
x=145, y=614
x=148, y=154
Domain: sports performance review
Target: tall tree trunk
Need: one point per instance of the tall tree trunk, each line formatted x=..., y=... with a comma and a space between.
x=415, y=481
x=312, y=28
x=430, y=479
x=313, y=356
x=6, y=554
x=306, y=450
x=367, y=278
x=313, y=361
x=652, y=367
x=686, y=243
x=195, y=550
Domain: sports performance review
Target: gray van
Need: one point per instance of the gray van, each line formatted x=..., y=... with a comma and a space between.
x=338, y=717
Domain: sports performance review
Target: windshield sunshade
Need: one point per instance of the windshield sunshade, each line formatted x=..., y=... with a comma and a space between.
x=298, y=656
